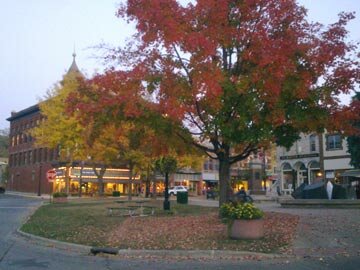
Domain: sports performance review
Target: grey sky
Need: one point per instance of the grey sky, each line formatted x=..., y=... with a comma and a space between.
x=38, y=37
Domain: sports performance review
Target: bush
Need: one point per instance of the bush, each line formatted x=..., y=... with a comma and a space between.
x=182, y=197
x=248, y=211
x=60, y=195
x=116, y=193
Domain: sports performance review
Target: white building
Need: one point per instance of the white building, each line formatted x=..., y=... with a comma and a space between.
x=312, y=158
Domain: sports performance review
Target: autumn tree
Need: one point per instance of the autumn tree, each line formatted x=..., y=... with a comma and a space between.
x=4, y=142
x=354, y=141
x=146, y=134
x=57, y=130
x=61, y=130
x=233, y=76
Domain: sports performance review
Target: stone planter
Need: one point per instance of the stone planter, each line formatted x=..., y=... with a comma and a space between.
x=247, y=229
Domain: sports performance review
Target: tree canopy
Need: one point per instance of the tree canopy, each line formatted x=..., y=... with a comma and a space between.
x=354, y=141
x=4, y=143
x=232, y=76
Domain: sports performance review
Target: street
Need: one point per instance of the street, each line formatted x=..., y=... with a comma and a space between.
x=17, y=252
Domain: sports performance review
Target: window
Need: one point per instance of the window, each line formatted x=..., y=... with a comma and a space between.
x=333, y=142
x=30, y=157
x=34, y=156
x=45, y=154
x=39, y=157
x=211, y=167
x=313, y=143
x=205, y=165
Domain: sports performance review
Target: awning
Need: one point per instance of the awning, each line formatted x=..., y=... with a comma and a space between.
x=211, y=181
x=351, y=173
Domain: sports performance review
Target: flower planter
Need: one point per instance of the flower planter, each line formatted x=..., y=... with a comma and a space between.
x=247, y=229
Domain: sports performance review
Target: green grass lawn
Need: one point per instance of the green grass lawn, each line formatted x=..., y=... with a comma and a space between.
x=184, y=227
x=88, y=222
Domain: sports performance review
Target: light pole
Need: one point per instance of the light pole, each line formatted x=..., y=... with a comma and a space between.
x=39, y=185
x=166, y=165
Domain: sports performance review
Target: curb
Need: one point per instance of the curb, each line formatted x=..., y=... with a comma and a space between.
x=54, y=243
x=164, y=254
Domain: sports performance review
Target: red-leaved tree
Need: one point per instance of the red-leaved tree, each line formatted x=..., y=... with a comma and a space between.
x=233, y=74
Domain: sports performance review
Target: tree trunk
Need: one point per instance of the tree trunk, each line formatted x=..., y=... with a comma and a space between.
x=67, y=179
x=224, y=181
x=100, y=176
x=147, y=182
x=131, y=167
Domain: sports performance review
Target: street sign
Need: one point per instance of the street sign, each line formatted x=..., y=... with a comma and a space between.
x=51, y=175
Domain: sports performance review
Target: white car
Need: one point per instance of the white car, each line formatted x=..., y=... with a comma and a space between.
x=176, y=189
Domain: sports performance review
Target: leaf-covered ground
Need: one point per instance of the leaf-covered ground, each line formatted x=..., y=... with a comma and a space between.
x=200, y=232
x=187, y=227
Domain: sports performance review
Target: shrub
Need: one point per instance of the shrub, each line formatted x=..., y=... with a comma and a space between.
x=116, y=193
x=60, y=195
x=248, y=211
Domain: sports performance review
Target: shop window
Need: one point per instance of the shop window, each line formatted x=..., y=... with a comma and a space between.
x=333, y=142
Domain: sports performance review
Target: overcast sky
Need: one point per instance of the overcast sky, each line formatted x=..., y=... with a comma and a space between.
x=38, y=38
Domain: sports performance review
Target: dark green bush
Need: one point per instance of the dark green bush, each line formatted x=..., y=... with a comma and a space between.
x=60, y=194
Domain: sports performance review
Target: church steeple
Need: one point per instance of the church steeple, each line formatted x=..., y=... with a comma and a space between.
x=74, y=68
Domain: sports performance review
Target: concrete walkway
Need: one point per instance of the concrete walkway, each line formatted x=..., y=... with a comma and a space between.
x=323, y=232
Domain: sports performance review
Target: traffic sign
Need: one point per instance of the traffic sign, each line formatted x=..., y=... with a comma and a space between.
x=51, y=175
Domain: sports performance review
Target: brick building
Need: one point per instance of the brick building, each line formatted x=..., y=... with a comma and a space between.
x=28, y=164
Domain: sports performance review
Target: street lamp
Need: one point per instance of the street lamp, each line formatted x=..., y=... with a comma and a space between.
x=166, y=165
x=39, y=185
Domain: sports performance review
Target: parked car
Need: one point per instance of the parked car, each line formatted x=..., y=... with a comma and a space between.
x=176, y=189
x=211, y=194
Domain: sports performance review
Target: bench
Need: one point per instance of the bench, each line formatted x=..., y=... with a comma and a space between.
x=147, y=210
x=131, y=211
x=121, y=211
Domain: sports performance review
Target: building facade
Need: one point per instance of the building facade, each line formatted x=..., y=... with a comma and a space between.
x=313, y=158
x=255, y=173
x=28, y=164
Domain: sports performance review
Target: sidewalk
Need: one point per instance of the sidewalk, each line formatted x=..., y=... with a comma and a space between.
x=323, y=232
x=28, y=195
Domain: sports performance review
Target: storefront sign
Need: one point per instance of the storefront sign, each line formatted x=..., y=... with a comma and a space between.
x=299, y=156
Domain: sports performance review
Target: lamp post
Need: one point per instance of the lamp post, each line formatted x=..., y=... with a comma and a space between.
x=82, y=163
x=166, y=165
x=39, y=185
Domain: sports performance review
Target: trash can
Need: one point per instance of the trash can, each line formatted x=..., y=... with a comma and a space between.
x=116, y=193
x=182, y=197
